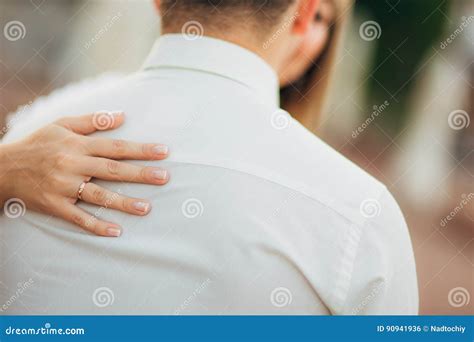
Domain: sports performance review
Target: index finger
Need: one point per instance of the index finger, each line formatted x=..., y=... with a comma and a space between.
x=90, y=123
x=122, y=149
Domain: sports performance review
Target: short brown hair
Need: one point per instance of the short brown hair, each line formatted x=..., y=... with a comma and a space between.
x=223, y=14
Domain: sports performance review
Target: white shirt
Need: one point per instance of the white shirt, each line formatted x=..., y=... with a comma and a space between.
x=259, y=216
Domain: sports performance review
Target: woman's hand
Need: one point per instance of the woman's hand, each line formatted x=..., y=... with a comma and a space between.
x=46, y=169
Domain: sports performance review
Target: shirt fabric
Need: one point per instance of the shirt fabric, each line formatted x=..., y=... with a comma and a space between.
x=259, y=216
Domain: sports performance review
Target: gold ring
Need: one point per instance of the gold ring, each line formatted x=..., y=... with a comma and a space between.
x=81, y=190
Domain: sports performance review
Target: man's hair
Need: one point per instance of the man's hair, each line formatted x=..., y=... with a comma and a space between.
x=224, y=14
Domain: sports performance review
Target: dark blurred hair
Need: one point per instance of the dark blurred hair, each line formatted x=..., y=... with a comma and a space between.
x=223, y=14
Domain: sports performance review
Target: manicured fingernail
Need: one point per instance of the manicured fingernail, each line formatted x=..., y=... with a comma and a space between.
x=116, y=113
x=160, y=174
x=141, y=206
x=160, y=149
x=114, y=231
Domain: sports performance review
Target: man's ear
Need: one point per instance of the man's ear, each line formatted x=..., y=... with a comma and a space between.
x=306, y=14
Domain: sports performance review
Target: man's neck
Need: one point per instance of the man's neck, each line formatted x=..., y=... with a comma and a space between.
x=250, y=43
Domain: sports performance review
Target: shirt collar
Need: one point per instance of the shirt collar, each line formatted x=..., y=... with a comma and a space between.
x=218, y=57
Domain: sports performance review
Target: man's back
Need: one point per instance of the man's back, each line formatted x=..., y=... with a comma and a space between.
x=259, y=215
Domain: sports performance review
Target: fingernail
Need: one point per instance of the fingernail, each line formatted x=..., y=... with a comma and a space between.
x=160, y=149
x=141, y=206
x=114, y=231
x=116, y=113
x=160, y=174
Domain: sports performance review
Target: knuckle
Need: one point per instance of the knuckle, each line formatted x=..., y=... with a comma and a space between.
x=144, y=173
x=99, y=195
x=78, y=220
x=91, y=223
x=113, y=167
x=64, y=157
x=77, y=143
x=61, y=160
x=71, y=140
x=56, y=182
x=146, y=149
x=119, y=147
x=60, y=122
x=124, y=203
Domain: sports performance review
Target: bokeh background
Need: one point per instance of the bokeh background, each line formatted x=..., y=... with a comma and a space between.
x=401, y=105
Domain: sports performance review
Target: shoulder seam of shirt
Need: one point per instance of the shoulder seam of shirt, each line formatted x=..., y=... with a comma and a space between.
x=349, y=245
x=268, y=179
